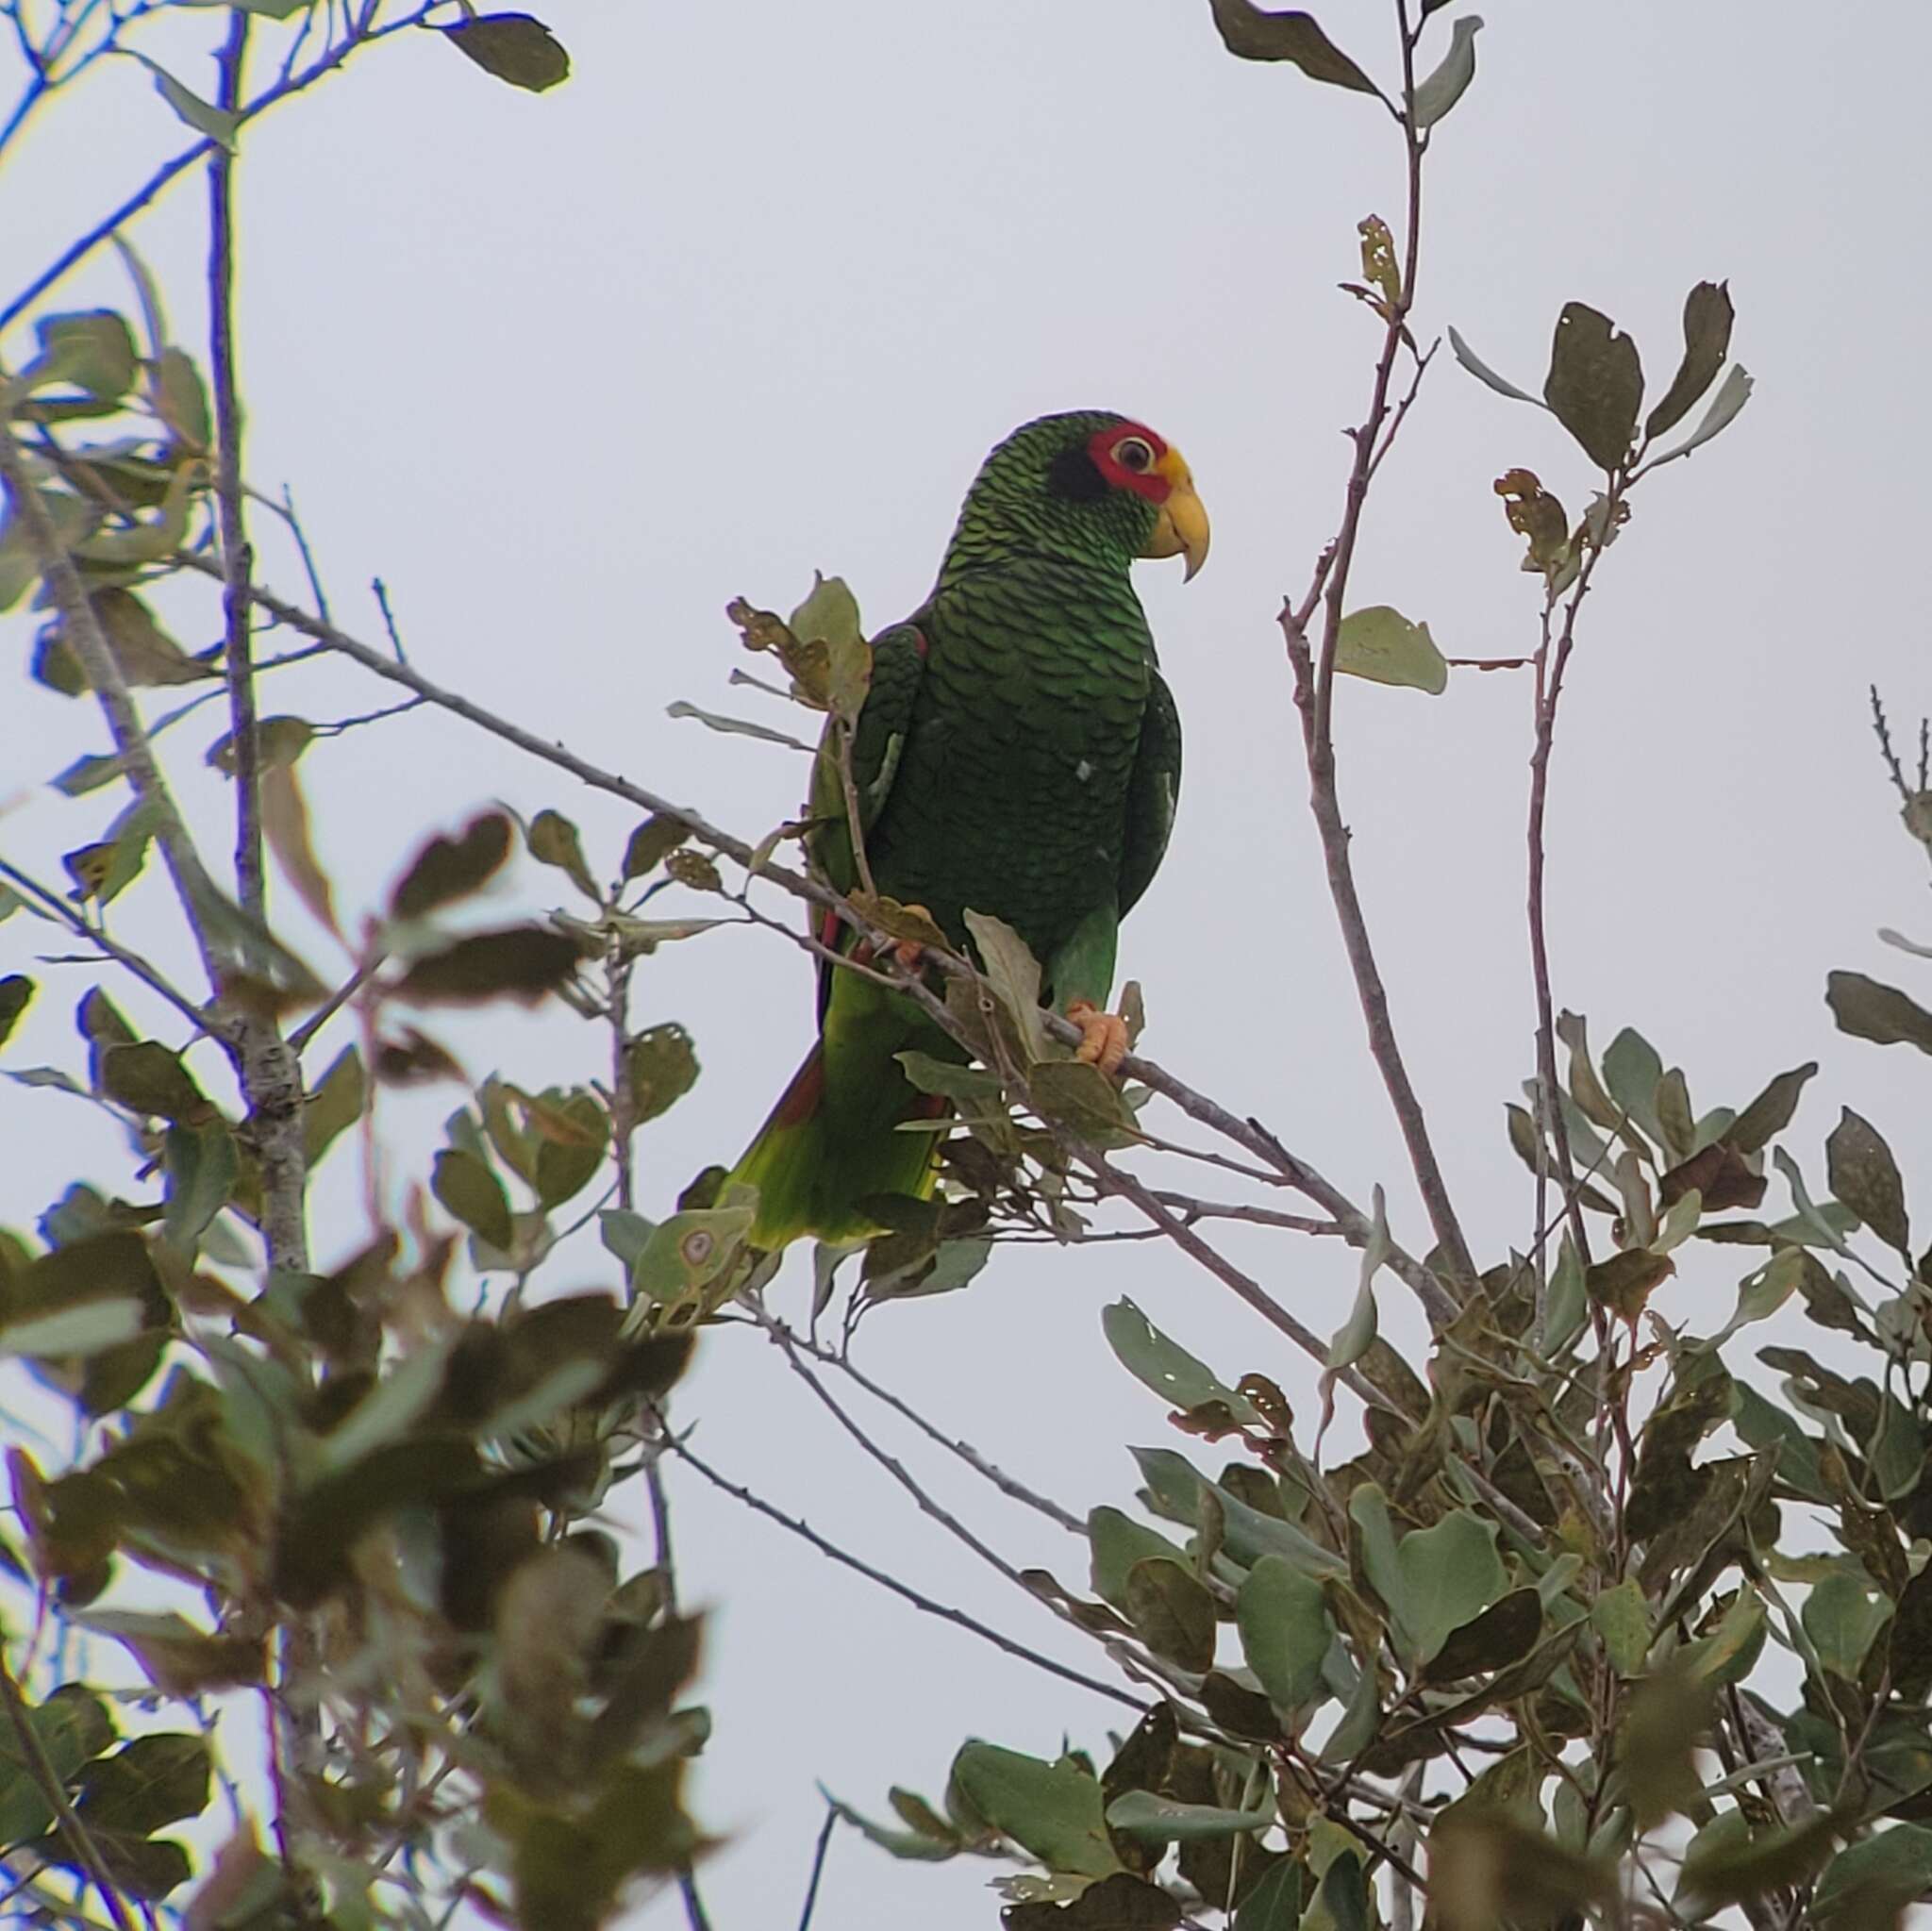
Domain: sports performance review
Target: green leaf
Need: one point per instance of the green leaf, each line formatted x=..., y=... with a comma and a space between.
x=92, y=350
x=1867, y=1884
x=73, y=1728
x=1567, y=1306
x=180, y=396
x=203, y=1166
x=16, y=995
x=521, y=962
x=1733, y=1873
x=1276, y=1902
x=447, y=869
x=181, y=1659
x=514, y=47
x=1842, y=1615
x=147, y=1078
x=660, y=1069
x=20, y=560
x=1172, y=1610
x=1621, y=1619
x=1869, y=1010
x=1596, y=385
x=1707, y=317
x=1732, y=394
x=1451, y=1574
x=1052, y=1810
x=652, y=843
x=1770, y=1113
x=1503, y=1634
x=152, y=1781
x=334, y=1105
x=734, y=727
x=1182, y=1491
x=1764, y=1290
x=553, y=840
x=1436, y=96
x=1483, y=373
x=1164, y=1821
x=1865, y=1178
x=1164, y=1365
x=1382, y=646
x=218, y=123
x=1624, y=1282
x=1253, y=34
x=915, y=1845
x=91, y=1329
x=1632, y=1070
x=1117, y=1542
x=475, y=1195
x=1356, y=1334
x=1014, y=976
x=1286, y=1632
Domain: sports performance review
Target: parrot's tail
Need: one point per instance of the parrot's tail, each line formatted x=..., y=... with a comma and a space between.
x=832, y=1143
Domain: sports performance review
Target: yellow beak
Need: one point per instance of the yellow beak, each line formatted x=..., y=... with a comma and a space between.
x=1182, y=530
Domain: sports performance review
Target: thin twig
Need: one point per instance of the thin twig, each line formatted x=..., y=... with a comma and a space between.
x=81, y=628
x=41, y=1768
x=56, y=907
x=1248, y=1133
x=944, y=1611
x=965, y=1451
x=818, y=1867
x=78, y=250
x=271, y=1072
x=1314, y=674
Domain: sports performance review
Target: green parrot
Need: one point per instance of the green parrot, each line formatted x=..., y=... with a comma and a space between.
x=1017, y=754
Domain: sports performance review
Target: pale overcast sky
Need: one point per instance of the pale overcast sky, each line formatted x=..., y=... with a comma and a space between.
x=752, y=294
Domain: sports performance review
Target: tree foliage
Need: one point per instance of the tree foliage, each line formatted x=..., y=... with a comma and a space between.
x=1526, y=1653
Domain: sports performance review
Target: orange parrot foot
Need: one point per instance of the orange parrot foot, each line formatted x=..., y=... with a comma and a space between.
x=908, y=952
x=1103, y=1036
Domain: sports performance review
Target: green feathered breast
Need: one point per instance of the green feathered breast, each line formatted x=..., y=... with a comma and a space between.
x=1017, y=754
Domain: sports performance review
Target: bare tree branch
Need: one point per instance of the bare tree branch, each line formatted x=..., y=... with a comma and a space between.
x=944, y=1611
x=271, y=1070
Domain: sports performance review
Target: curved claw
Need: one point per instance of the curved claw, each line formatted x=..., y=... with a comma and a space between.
x=1103, y=1036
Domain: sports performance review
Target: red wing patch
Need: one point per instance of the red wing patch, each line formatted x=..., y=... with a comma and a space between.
x=801, y=1098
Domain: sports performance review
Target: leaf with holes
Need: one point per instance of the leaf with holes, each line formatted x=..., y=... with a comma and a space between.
x=1595, y=384
x=1164, y=1365
x=1707, y=318
x=1382, y=646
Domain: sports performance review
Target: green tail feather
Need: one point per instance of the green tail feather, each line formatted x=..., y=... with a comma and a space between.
x=833, y=1140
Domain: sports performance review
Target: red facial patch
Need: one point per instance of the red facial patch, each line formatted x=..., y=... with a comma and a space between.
x=1104, y=447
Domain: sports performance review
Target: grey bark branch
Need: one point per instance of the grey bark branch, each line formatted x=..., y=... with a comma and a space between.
x=270, y=1069
x=83, y=632
x=1314, y=680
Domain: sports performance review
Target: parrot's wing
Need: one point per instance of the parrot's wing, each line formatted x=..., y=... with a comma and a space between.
x=898, y=665
x=1152, y=790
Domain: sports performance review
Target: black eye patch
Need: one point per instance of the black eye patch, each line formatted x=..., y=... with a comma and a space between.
x=1074, y=476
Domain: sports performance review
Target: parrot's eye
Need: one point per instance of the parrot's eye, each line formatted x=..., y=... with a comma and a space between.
x=1133, y=453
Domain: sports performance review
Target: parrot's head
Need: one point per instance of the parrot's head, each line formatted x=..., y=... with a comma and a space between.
x=1089, y=486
